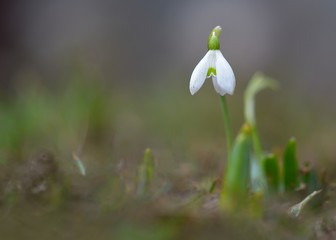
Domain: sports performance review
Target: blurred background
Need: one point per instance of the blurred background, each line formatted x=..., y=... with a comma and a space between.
x=142, y=54
x=103, y=80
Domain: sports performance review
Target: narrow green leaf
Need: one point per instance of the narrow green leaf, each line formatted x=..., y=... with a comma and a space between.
x=236, y=177
x=145, y=173
x=79, y=164
x=258, y=82
x=271, y=170
x=290, y=166
x=312, y=183
x=149, y=163
x=213, y=185
x=310, y=179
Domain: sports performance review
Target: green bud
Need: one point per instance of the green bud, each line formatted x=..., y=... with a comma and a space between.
x=213, y=40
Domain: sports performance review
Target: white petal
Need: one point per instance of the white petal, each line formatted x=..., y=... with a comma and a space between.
x=221, y=91
x=225, y=76
x=198, y=76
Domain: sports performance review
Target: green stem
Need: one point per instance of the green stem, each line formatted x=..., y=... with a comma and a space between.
x=227, y=126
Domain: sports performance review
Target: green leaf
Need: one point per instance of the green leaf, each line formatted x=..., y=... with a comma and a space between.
x=311, y=180
x=237, y=175
x=146, y=173
x=271, y=170
x=213, y=185
x=258, y=82
x=290, y=166
x=79, y=163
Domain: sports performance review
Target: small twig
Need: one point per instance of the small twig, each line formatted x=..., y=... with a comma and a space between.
x=295, y=210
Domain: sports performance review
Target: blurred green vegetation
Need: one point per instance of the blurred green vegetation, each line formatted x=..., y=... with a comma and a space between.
x=108, y=128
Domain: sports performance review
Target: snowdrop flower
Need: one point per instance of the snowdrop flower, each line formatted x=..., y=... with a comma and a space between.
x=214, y=65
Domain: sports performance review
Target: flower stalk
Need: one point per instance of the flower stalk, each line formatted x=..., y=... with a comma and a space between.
x=227, y=126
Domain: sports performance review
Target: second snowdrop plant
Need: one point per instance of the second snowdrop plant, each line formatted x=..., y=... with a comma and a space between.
x=251, y=173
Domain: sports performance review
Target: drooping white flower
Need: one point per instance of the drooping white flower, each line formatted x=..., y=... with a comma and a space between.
x=214, y=65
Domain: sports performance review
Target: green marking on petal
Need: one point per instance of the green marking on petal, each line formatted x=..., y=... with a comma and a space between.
x=211, y=72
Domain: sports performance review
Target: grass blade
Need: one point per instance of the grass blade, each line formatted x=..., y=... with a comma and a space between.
x=146, y=173
x=290, y=166
x=271, y=170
